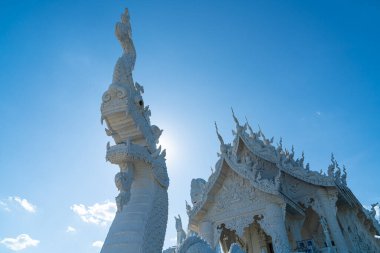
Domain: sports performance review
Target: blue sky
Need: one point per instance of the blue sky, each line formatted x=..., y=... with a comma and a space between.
x=308, y=71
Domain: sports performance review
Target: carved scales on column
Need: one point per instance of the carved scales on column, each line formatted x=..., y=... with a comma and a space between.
x=142, y=204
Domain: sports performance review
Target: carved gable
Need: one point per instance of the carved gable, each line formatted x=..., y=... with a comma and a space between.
x=235, y=197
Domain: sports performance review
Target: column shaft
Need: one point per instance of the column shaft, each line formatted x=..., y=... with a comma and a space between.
x=327, y=202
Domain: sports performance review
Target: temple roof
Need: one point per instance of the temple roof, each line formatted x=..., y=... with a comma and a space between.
x=281, y=159
x=284, y=162
x=216, y=178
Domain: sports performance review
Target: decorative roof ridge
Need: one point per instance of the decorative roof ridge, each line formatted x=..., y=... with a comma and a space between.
x=372, y=216
x=270, y=186
x=353, y=201
x=287, y=164
x=262, y=147
x=283, y=158
x=208, y=187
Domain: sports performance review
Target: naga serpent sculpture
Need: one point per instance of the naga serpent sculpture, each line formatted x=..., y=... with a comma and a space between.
x=142, y=204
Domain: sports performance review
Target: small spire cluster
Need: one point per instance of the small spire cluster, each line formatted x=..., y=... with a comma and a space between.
x=284, y=155
x=335, y=171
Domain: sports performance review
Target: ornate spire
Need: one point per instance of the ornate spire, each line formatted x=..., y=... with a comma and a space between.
x=344, y=176
x=337, y=173
x=332, y=158
x=239, y=129
x=126, y=63
x=123, y=32
x=219, y=136
x=279, y=146
x=253, y=134
x=331, y=168
x=302, y=159
x=235, y=119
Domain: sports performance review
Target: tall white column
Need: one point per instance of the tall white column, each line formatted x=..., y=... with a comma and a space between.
x=326, y=207
x=273, y=223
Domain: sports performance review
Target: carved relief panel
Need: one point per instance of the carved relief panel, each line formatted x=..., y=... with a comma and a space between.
x=235, y=203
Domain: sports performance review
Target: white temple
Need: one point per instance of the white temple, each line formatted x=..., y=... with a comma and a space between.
x=259, y=199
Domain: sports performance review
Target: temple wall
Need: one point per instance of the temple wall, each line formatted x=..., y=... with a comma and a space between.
x=266, y=222
x=356, y=233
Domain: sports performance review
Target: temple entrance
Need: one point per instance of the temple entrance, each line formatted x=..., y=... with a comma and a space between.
x=312, y=232
x=254, y=240
x=258, y=241
x=228, y=237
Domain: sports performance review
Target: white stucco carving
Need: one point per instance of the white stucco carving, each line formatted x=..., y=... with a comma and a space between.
x=273, y=223
x=196, y=191
x=142, y=204
x=123, y=181
x=259, y=197
x=272, y=190
x=181, y=235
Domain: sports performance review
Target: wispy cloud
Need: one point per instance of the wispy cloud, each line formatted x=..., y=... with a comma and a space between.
x=24, y=203
x=98, y=244
x=318, y=113
x=70, y=229
x=4, y=206
x=22, y=241
x=99, y=214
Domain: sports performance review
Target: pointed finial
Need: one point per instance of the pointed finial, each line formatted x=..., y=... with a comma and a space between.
x=246, y=120
x=337, y=165
x=337, y=173
x=188, y=208
x=331, y=168
x=123, y=32
x=344, y=176
x=253, y=135
x=217, y=132
x=302, y=159
x=235, y=119
x=332, y=158
x=163, y=153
